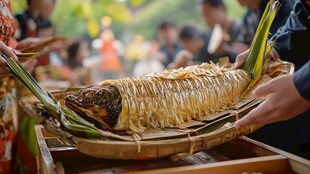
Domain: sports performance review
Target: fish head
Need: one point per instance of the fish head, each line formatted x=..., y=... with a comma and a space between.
x=101, y=104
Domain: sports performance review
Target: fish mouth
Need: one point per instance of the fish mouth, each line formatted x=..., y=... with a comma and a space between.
x=87, y=114
x=78, y=109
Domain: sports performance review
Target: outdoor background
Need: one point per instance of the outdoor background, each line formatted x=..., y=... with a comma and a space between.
x=130, y=17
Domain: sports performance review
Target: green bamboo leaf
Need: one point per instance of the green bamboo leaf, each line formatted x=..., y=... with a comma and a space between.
x=77, y=124
x=250, y=62
x=259, y=47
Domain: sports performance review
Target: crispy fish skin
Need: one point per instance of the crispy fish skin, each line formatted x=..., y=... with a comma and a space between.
x=98, y=104
x=163, y=99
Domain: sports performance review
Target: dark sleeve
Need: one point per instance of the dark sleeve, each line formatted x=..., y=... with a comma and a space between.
x=282, y=15
x=302, y=81
x=293, y=38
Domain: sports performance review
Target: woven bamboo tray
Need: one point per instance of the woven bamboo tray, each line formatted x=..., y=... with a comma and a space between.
x=241, y=155
x=180, y=141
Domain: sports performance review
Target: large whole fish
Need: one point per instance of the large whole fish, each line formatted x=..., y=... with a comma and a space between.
x=172, y=97
x=162, y=99
x=158, y=100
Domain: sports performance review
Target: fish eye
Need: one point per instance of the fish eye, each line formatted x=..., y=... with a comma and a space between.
x=88, y=94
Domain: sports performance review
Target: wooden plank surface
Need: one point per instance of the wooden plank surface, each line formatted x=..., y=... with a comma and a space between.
x=298, y=164
x=70, y=160
x=234, y=156
x=45, y=162
x=75, y=162
x=270, y=164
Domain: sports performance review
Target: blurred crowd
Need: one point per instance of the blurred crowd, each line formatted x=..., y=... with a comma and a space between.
x=172, y=47
x=179, y=46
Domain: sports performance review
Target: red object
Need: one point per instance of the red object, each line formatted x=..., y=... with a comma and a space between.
x=8, y=27
x=43, y=60
x=6, y=165
x=25, y=155
x=109, y=57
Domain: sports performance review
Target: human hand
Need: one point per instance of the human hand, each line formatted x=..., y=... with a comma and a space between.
x=29, y=66
x=7, y=52
x=184, y=58
x=276, y=108
x=28, y=42
x=10, y=53
x=243, y=56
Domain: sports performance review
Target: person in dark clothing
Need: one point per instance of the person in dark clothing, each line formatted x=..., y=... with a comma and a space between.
x=46, y=29
x=168, y=36
x=292, y=135
x=28, y=25
x=292, y=40
x=255, y=11
x=214, y=13
x=33, y=18
x=77, y=52
x=196, y=43
x=302, y=79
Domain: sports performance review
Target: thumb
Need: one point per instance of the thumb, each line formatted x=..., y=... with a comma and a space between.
x=240, y=59
x=2, y=62
x=7, y=51
x=263, y=90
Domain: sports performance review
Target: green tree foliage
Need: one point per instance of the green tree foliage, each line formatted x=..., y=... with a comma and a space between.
x=18, y=5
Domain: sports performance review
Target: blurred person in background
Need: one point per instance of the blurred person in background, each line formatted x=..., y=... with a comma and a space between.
x=106, y=22
x=58, y=56
x=151, y=63
x=138, y=50
x=254, y=13
x=214, y=13
x=77, y=53
x=196, y=43
x=182, y=59
x=168, y=37
x=110, y=62
x=8, y=107
x=31, y=20
x=70, y=69
x=46, y=29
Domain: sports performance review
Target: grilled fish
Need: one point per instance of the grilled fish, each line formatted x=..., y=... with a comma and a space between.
x=163, y=99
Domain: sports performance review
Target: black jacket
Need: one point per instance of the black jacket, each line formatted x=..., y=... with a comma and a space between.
x=292, y=40
x=302, y=81
x=293, y=45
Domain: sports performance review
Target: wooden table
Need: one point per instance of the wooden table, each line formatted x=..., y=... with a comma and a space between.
x=238, y=156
